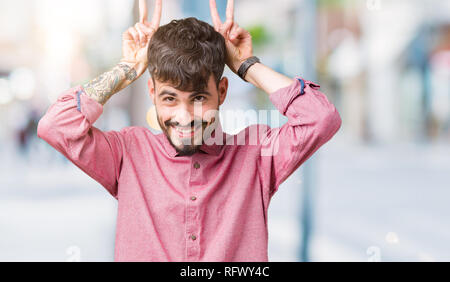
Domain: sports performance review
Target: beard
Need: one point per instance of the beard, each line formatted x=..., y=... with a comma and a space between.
x=186, y=146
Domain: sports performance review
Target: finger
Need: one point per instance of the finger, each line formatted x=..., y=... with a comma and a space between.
x=225, y=29
x=237, y=36
x=135, y=35
x=233, y=30
x=215, y=14
x=236, y=31
x=156, y=19
x=127, y=36
x=230, y=10
x=148, y=31
x=143, y=11
x=141, y=34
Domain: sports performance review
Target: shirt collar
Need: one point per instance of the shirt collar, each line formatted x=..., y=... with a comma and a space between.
x=213, y=149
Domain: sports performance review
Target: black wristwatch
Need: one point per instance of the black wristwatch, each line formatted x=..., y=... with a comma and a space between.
x=246, y=65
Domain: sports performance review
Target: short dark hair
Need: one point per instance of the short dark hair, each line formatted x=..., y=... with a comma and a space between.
x=185, y=53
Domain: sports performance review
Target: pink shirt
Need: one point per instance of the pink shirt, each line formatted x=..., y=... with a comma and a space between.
x=211, y=206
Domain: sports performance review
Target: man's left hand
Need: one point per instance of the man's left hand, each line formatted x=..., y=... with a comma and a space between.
x=238, y=40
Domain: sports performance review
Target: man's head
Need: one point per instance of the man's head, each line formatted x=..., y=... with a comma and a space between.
x=186, y=63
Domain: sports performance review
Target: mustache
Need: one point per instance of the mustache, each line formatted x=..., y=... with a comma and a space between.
x=169, y=123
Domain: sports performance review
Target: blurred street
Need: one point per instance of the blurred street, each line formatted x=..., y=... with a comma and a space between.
x=388, y=203
x=51, y=211
x=378, y=191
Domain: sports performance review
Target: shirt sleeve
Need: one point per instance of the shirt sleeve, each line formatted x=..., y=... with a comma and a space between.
x=312, y=121
x=68, y=127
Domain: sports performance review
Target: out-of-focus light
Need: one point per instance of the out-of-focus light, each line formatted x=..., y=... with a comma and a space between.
x=392, y=238
x=22, y=83
x=6, y=95
x=59, y=46
x=55, y=83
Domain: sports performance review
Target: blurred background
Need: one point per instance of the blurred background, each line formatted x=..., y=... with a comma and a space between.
x=378, y=191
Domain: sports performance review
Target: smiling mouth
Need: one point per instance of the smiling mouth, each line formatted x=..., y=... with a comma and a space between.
x=186, y=132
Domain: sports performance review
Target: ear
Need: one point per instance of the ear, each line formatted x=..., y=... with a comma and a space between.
x=151, y=89
x=223, y=88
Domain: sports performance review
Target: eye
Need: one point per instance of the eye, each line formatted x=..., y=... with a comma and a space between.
x=200, y=98
x=169, y=99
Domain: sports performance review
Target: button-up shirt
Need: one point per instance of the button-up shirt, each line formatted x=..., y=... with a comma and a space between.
x=211, y=206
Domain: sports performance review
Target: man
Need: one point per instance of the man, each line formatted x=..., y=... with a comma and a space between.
x=180, y=196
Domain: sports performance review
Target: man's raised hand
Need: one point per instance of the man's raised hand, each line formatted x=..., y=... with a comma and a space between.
x=137, y=38
x=238, y=40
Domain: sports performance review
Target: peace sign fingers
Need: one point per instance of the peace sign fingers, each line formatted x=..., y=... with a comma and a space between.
x=143, y=14
x=238, y=41
x=143, y=11
x=230, y=11
x=156, y=19
x=218, y=25
x=215, y=15
x=136, y=40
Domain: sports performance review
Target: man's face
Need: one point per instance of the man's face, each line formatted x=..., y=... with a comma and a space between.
x=184, y=116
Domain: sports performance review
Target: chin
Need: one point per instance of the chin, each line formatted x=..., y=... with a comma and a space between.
x=187, y=146
x=188, y=150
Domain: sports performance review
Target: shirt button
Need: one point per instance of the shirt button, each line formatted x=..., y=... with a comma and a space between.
x=197, y=165
x=193, y=198
x=193, y=237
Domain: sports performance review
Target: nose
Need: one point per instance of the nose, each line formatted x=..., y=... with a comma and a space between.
x=183, y=116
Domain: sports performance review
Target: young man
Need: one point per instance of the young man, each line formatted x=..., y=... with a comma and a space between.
x=180, y=196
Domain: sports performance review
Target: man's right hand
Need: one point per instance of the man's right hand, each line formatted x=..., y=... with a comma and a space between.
x=134, y=61
x=136, y=39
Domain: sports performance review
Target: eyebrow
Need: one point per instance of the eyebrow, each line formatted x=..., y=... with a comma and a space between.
x=168, y=92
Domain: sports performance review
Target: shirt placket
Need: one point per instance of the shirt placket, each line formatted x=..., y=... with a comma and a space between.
x=193, y=234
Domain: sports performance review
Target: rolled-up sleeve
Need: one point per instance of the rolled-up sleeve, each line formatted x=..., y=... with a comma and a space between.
x=68, y=127
x=312, y=121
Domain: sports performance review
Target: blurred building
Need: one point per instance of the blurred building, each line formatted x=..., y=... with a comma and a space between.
x=378, y=57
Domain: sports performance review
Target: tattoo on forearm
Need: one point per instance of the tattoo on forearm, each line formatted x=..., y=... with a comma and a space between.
x=107, y=84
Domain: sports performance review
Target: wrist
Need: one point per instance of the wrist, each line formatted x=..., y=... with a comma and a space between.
x=246, y=65
x=253, y=72
x=138, y=67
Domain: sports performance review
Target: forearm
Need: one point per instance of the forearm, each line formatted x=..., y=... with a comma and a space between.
x=266, y=78
x=103, y=87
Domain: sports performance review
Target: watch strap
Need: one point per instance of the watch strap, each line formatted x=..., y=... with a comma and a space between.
x=246, y=65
